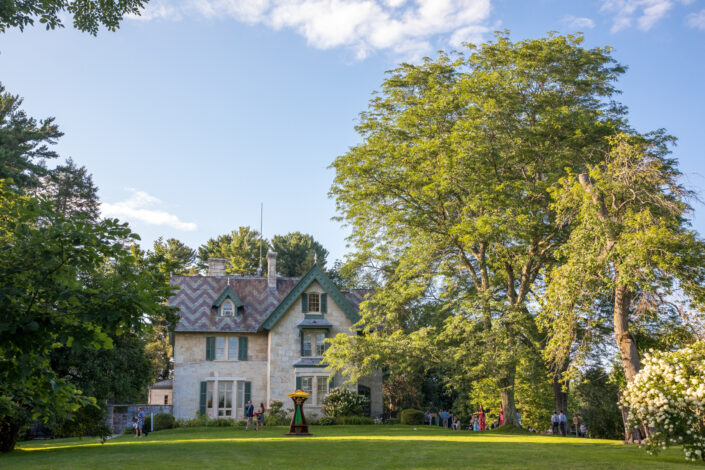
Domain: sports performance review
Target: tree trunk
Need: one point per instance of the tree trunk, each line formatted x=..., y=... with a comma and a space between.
x=506, y=385
x=626, y=344
x=9, y=434
x=560, y=397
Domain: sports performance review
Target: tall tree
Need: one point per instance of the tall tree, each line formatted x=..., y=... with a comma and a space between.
x=448, y=191
x=241, y=248
x=297, y=252
x=172, y=256
x=71, y=189
x=24, y=143
x=630, y=241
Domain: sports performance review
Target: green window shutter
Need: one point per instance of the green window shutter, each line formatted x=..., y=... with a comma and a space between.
x=304, y=302
x=324, y=303
x=298, y=383
x=248, y=391
x=242, y=348
x=210, y=348
x=331, y=384
x=204, y=389
x=301, y=337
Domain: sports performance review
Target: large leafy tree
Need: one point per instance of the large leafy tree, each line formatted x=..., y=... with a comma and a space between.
x=68, y=286
x=71, y=189
x=631, y=243
x=297, y=252
x=172, y=257
x=241, y=248
x=447, y=195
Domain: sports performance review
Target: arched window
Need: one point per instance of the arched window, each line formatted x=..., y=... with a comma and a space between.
x=227, y=309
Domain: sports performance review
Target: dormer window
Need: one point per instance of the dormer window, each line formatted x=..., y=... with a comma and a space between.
x=227, y=309
x=314, y=302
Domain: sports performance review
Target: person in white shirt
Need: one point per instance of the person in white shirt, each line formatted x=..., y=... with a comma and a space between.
x=563, y=420
x=555, y=420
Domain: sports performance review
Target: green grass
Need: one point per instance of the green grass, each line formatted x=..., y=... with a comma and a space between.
x=358, y=447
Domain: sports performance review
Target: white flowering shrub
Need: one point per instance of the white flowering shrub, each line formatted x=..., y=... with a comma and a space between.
x=668, y=396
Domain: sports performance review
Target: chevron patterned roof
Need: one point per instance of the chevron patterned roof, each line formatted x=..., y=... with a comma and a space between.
x=197, y=294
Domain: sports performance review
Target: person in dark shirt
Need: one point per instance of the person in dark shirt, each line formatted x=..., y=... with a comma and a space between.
x=249, y=414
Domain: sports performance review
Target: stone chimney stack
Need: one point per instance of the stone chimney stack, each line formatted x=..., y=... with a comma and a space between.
x=216, y=266
x=272, y=269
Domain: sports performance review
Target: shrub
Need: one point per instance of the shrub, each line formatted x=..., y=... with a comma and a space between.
x=668, y=396
x=276, y=415
x=324, y=421
x=87, y=421
x=164, y=421
x=391, y=421
x=344, y=402
x=220, y=423
x=354, y=420
x=411, y=416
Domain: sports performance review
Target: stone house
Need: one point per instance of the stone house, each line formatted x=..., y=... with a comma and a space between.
x=160, y=393
x=246, y=338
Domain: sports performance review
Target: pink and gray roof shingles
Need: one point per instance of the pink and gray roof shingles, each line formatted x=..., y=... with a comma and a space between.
x=196, y=295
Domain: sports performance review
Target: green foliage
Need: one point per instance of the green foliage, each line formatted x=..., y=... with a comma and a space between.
x=411, y=417
x=71, y=189
x=344, y=402
x=220, y=422
x=296, y=253
x=164, y=421
x=594, y=397
x=448, y=198
x=391, y=421
x=172, y=257
x=241, y=248
x=87, y=16
x=354, y=420
x=276, y=414
x=325, y=421
x=23, y=142
x=75, y=282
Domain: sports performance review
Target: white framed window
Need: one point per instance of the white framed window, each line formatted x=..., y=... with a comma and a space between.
x=307, y=349
x=307, y=385
x=220, y=347
x=314, y=302
x=322, y=389
x=320, y=344
x=225, y=399
x=227, y=309
x=232, y=348
x=313, y=345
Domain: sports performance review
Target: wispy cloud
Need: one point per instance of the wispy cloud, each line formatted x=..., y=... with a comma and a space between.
x=644, y=13
x=137, y=207
x=157, y=10
x=697, y=20
x=575, y=22
x=364, y=26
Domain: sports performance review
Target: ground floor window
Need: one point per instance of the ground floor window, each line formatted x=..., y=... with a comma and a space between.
x=225, y=399
x=322, y=389
x=307, y=385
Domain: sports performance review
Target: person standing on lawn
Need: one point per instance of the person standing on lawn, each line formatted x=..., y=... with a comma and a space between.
x=555, y=420
x=249, y=414
x=259, y=425
x=140, y=421
x=563, y=423
x=481, y=418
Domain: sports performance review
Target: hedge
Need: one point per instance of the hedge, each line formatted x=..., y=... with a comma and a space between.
x=411, y=416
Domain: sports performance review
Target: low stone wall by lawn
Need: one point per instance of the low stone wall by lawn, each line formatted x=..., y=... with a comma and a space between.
x=120, y=417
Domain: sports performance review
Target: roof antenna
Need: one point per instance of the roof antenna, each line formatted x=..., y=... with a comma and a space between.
x=261, y=211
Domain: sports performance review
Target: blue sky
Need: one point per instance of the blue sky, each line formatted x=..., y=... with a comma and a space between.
x=193, y=114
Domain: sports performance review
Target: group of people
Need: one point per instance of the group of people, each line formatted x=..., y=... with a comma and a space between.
x=443, y=418
x=559, y=425
x=254, y=418
x=138, y=422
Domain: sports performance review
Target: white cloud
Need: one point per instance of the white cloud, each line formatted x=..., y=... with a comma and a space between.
x=136, y=207
x=364, y=26
x=645, y=13
x=580, y=23
x=697, y=20
x=157, y=10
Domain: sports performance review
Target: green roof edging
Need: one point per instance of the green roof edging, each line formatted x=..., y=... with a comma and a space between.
x=313, y=274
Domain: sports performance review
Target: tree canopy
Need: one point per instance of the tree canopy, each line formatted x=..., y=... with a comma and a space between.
x=297, y=252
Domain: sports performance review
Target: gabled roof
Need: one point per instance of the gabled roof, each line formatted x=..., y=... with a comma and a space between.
x=314, y=274
x=228, y=293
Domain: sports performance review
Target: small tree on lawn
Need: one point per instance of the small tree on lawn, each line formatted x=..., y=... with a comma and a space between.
x=668, y=396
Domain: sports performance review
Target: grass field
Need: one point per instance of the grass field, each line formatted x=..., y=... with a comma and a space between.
x=357, y=447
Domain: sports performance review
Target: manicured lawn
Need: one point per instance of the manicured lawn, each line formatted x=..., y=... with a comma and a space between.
x=357, y=447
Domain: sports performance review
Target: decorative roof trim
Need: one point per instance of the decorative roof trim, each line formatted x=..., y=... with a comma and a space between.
x=228, y=292
x=313, y=274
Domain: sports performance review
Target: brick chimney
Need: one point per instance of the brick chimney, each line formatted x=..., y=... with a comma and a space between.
x=216, y=266
x=272, y=269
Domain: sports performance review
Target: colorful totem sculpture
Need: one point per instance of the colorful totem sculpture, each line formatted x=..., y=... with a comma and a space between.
x=299, y=426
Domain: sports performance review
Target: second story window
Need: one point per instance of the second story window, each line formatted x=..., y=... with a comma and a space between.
x=314, y=303
x=228, y=309
x=313, y=344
